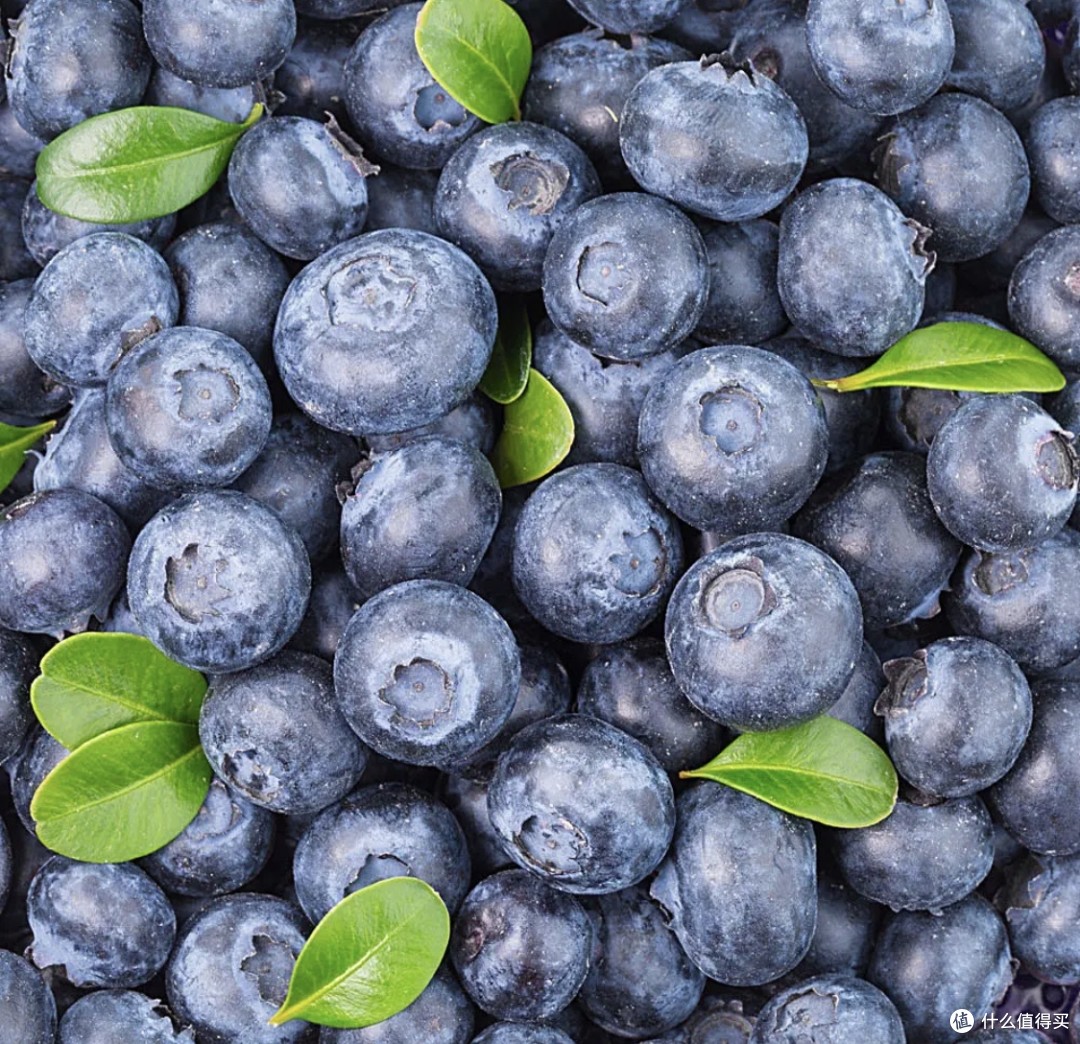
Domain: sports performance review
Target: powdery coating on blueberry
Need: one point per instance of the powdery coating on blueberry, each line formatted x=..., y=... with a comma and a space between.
x=220, y=43
x=218, y=581
x=379, y=832
x=62, y=558
x=93, y=301
x=1044, y=296
x=1053, y=148
x=640, y=983
x=914, y=416
x=18, y=148
x=399, y=111
x=24, y=389
x=473, y=422
x=852, y=269
x=732, y=439
x=75, y=58
x=187, y=408
x=427, y=672
x=876, y=520
x=18, y=668
x=520, y=948
x=103, y=924
x=28, y=1004
x=629, y=16
x=37, y=757
x=883, y=58
x=764, y=632
x=582, y=805
x=1021, y=601
x=519, y=1033
x=626, y=275
x=595, y=555
x=957, y=166
x=929, y=965
x=847, y=925
x=385, y=332
x=230, y=969
x=425, y=511
x=231, y=104
x=719, y=139
x=104, y=1016
x=739, y=885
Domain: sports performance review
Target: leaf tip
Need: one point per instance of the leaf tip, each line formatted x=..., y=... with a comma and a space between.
x=281, y=1016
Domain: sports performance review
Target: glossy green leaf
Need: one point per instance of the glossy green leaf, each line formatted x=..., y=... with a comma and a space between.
x=507, y=372
x=958, y=357
x=14, y=442
x=91, y=683
x=123, y=794
x=134, y=164
x=537, y=433
x=479, y=51
x=823, y=770
x=370, y=957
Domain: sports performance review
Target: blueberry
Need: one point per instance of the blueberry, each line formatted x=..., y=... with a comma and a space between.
x=856, y=703
x=399, y=111
x=885, y=59
x=579, y=84
x=505, y=191
x=1034, y=800
x=931, y=965
x=378, y=832
x=629, y=16
x=1044, y=296
x=18, y=668
x=75, y=58
x=595, y=556
x=231, y=104
x=519, y=1033
x=914, y=416
x=442, y=1014
x=739, y=885
x=35, y=759
x=229, y=281
x=297, y=474
x=847, y=925
x=1054, y=154
x=220, y=43
x=16, y=262
x=299, y=185
x=717, y=138
x=27, y=1002
x=385, y=332
x=311, y=80
x=626, y=275
x=81, y=456
x=104, y=1016
x=493, y=576
x=1016, y=600
x=876, y=520
x=402, y=198
x=520, y=948
x=102, y=924
x=473, y=422
x=218, y=582
x=957, y=166
x=274, y=732
x=425, y=511
x=582, y=805
x=1042, y=907
x=18, y=148
x=96, y=299
x=187, y=409
x=467, y=799
x=852, y=269
x=956, y=716
x=64, y=553
x=427, y=672
x=831, y=1009
x=230, y=970
x=24, y=389
x=640, y=981
x=330, y=608
x=732, y=439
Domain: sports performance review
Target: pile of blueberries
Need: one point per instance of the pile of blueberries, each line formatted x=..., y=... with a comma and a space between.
x=271, y=459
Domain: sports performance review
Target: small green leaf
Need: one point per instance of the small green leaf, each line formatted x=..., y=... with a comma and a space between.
x=14, y=442
x=537, y=433
x=507, y=372
x=370, y=957
x=823, y=770
x=134, y=164
x=958, y=357
x=479, y=51
x=91, y=683
x=123, y=794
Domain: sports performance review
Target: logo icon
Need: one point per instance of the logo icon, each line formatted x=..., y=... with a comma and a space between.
x=962, y=1021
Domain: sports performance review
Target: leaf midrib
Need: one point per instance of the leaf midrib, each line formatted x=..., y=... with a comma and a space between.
x=75, y=173
x=789, y=770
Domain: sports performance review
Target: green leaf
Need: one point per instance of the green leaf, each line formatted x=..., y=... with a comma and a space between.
x=91, y=683
x=958, y=357
x=370, y=957
x=134, y=164
x=507, y=372
x=479, y=51
x=14, y=442
x=824, y=770
x=123, y=794
x=537, y=433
